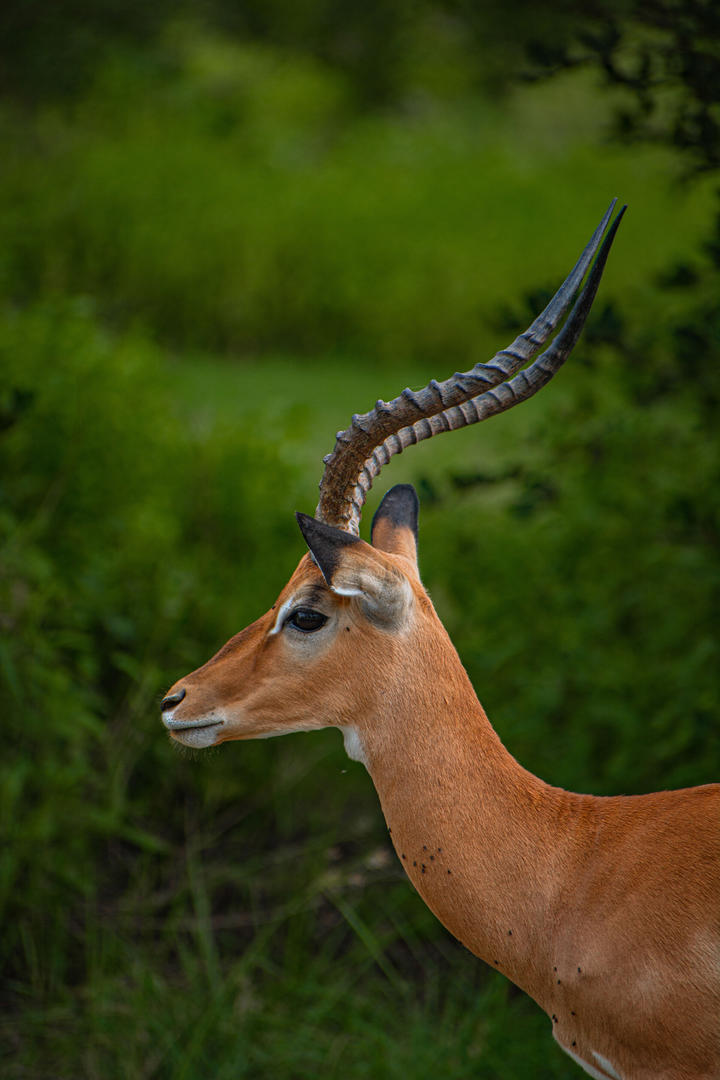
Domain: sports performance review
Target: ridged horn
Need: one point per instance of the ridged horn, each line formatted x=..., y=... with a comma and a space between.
x=465, y=398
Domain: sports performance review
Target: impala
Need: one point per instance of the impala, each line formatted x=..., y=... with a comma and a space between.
x=605, y=910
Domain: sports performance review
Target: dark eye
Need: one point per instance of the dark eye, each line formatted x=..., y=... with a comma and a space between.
x=306, y=619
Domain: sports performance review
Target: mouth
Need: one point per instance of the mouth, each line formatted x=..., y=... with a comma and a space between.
x=198, y=733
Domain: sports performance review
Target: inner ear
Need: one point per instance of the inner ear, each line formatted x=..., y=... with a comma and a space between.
x=395, y=524
x=383, y=592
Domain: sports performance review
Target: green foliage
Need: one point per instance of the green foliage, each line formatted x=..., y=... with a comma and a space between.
x=50, y=50
x=666, y=58
x=240, y=913
x=590, y=633
x=235, y=205
x=387, y=51
x=101, y=479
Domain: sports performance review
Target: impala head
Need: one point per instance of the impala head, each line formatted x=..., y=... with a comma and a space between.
x=350, y=611
x=354, y=618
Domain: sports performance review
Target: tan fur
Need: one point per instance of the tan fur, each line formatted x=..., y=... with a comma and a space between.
x=605, y=910
x=396, y=541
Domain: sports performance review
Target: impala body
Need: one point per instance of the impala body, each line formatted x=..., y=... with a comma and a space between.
x=605, y=910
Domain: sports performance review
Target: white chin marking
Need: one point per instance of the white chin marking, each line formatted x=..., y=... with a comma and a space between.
x=198, y=737
x=354, y=746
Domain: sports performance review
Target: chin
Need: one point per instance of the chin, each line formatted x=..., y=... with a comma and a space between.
x=198, y=737
x=200, y=732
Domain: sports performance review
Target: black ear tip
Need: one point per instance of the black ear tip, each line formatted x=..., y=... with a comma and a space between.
x=401, y=495
x=305, y=522
x=326, y=542
x=402, y=490
x=311, y=527
x=406, y=493
x=402, y=506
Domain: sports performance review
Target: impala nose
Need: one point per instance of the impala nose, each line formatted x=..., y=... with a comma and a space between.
x=171, y=700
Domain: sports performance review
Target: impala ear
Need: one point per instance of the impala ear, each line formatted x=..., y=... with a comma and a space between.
x=395, y=525
x=353, y=568
x=326, y=543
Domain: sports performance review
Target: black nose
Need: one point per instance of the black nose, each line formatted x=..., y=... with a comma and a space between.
x=172, y=699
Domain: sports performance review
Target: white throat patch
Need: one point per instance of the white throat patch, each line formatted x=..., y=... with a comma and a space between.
x=353, y=745
x=605, y=1064
x=605, y=1070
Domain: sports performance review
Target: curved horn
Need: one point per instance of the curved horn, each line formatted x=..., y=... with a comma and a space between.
x=465, y=398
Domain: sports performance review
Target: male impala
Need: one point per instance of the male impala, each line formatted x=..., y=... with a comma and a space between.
x=605, y=910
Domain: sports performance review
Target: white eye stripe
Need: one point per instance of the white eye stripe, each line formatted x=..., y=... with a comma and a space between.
x=294, y=601
x=282, y=615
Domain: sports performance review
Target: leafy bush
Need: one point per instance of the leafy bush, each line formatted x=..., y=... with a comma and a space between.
x=211, y=899
x=235, y=204
x=591, y=630
x=114, y=514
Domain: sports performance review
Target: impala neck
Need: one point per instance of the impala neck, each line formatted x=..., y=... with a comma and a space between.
x=488, y=846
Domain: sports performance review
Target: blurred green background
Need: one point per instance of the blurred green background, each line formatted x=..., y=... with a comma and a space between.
x=223, y=228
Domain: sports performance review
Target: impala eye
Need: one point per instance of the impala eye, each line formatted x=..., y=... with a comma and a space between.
x=306, y=619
